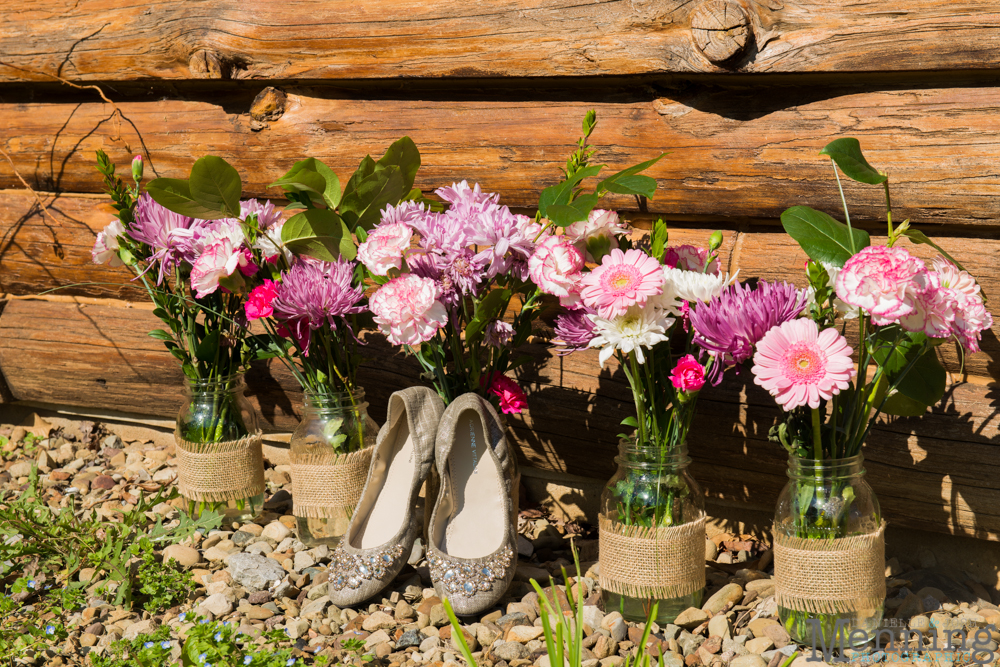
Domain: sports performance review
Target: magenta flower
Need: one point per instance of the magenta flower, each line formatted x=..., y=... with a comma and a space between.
x=688, y=375
x=313, y=294
x=690, y=258
x=800, y=365
x=512, y=397
x=158, y=228
x=573, y=331
x=623, y=280
x=878, y=279
x=507, y=245
x=258, y=304
x=729, y=326
x=407, y=310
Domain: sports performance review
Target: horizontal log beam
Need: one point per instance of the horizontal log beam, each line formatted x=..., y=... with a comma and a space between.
x=102, y=40
x=40, y=253
x=732, y=155
x=936, y=473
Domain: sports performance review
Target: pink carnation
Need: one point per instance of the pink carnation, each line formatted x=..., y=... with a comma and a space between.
x=407, y=311
x=800, y=365
x=971, y=319
x=555, y=266
x=258, y=303
x=690, y=258
x=933, y=310
x=623, y=279
x=106, y=245
x=512, y=397
x=216, y=262
x=599, y=223
x=878, y=280
x=688, y=375
x=954, y=278
x=384, y=248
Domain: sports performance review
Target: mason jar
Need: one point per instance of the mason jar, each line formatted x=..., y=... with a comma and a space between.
x=652, y=506
x=829, y=552
x=330, y=453
x=221, y=467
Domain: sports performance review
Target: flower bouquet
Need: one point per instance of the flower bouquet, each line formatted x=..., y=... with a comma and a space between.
x=195, y=264
x=829, y=550
x=313, y=308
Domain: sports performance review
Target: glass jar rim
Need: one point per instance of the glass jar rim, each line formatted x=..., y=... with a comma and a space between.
x=218, y=383
x=804, y=467
x=632, y=454
x=325, y=400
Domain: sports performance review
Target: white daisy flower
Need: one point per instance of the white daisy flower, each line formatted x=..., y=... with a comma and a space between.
x=636, y=329
x=694, y=286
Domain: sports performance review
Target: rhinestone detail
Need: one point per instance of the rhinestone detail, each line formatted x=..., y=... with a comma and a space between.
x=460, y=577
x=350, y=570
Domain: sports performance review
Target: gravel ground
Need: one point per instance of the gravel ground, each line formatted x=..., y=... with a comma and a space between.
x=259, y=577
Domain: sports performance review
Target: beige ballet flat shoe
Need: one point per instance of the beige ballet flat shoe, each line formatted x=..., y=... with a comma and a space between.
x=380, y=536
x=472, y=539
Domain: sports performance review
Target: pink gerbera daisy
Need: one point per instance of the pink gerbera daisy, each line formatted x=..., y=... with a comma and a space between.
x=800, y=365
x=623, y=279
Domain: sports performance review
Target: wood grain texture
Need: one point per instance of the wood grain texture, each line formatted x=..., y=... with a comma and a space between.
x=936, y=473
x=102, y=40
x=731, y=155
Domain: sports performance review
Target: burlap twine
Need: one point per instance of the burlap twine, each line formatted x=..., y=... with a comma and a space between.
x=220, y=471
x=652, y=562
x=846, y=574
x=328, y=486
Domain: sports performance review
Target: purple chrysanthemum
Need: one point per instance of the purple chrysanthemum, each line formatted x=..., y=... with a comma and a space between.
x=312, y=294
x=508, y=245
x=573, y=331
x=266, y=214
x=163, y=231
x=730, y=325
x=498, y=334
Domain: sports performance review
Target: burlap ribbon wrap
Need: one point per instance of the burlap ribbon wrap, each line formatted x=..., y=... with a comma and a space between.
x=328, y=486
x=220, y=471
x=846, y=574
x=652, y=562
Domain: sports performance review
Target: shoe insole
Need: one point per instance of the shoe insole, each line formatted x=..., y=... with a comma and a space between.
x=477, y=525
x=392, y=502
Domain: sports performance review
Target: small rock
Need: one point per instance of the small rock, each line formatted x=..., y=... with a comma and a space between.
x=96, y=629
x=926, y=558
x=935, y=593
x=730, y=593
x=254, y=572
x=749, y=660
x=184, y=555
x=615, y=624
x=718, y=626
x=613, y=661
x=778, y=635
x=404, y=611
x=511, y=651
x=315, y=607
x=259, y=597
x=218, y=604
x=893, y=568
x=758, y=625
x=759, y=645
x=763, y=587
x=256, y=613
x=524, y=547
x=215, y=554
x=103, y=482
x=689, y=643
x=276, y=531
x=303, y=560
x=524, y=633
x=296, y=627
x=592, y=617
x=416, y=552
x=912, y=605
x=920, y=623
x=691, y=618
x=429, y=644
x=242, y=538
x=87, y=639
x=378, y=621
x=408, y=639
x=711, y=550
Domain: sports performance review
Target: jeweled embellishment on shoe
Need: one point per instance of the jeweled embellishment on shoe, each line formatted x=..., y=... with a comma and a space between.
x=462, y=578
x=350, y=571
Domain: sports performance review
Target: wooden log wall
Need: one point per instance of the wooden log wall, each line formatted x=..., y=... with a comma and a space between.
x=743, y=93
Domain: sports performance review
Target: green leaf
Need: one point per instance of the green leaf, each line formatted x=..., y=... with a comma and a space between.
x=925, y=381
x=486, y=311
x=630, y=421
x=918, y=236
x=313, y=177
x=160, y=334
x=174, y=194
x=624, y=173
x=847, y=154
x=216, y=185
x=363, y=206
x=821, y=237
x=318, y=233
x=658, y=239
x=634, y=185
x=560, y=193
x=563, y=215
x=208, y=346
x=402, y=153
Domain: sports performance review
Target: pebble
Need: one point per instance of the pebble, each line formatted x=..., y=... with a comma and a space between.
x=691, y=618
x=217, y=604
x=511, y=651
x=728, y=594
x=254, y=572
x=184, y=555
x=276, y=531
x=524, y=633
x=749, y=660
x=378, y=621
x=718, y=626
x=759, y=644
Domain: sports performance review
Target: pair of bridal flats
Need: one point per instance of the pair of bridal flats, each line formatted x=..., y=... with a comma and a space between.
x=471, y=533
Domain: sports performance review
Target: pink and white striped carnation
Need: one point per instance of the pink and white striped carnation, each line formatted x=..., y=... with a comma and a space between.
x=882, y=281
x=407, y=311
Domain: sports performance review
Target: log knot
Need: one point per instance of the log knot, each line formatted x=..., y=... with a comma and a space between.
x=268, y=105
x=721, y=30
x=205, y=64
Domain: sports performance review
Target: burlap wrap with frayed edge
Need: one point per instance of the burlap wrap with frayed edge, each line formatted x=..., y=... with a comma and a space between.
x=846, y=574
x=220, y=471
x=325, y=486
x=652, y=562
